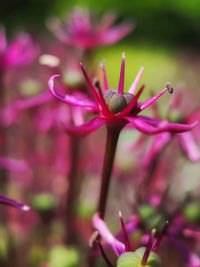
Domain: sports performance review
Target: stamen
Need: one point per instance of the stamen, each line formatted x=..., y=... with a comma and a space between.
x=136, y=81
x=90, y=84
x=126, y=240
x=160, y=237
x=105, y=83
x=121, y=79
x=148, y=248
x=169, y=87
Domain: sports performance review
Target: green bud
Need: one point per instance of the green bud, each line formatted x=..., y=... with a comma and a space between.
x=134, y=259
x=128, y=97
x=61, y=256
x=192, y=212
x=117, y=103
x=108, y=94
x=44, y=202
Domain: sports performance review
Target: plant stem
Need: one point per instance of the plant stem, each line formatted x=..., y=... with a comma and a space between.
x=73, y=191
x=111, y=145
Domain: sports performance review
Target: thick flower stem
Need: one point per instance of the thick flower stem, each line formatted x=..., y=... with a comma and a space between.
x=74, y=184
x=111, y=144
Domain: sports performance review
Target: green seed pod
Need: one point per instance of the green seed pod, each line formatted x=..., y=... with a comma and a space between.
x=108, y=94
x=134, y=259
x=128, y=97
x=117, y=103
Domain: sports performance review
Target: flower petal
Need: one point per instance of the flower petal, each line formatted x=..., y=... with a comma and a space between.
x=86, y=128
x=103, y=230
x=13, y=164
x=10, y=112
x=69, y=99
x=136, y=81
x=114, y=34
x=13, y=203
x=153, y=126
x=159, y=141
x=22, y=51
x=190, y=147
x=105, y=83
x=121, y=78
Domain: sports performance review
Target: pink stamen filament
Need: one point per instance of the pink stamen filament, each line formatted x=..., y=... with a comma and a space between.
x=126, y=240
x=121, y=79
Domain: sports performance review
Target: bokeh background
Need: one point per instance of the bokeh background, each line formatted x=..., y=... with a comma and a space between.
x=166, y=41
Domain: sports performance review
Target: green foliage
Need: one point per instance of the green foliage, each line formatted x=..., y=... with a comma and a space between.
x=134, y=259
x=61, y=256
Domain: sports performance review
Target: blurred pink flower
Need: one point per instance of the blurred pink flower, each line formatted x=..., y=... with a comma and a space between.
x=78, y=30
x=116, y=107
x=19, y=53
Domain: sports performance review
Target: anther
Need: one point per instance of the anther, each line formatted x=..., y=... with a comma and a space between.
x=169, y=87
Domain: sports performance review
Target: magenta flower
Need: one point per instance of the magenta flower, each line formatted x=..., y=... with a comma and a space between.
x=19, y=53
x=117, y=108
x=144, y=256
x=13, y=164
x=78, y=30
x=13, y=203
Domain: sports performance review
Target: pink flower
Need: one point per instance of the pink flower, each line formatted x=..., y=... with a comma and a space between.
x=117, y=108
x=78, y=30
x=19, y=53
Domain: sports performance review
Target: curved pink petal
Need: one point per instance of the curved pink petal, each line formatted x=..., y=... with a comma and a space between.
x=69, y=99
x=103, y=230
x=115, y=34
x=10, y=112
x=85, y=129
x=159, y=141
x=152, y=126
x=13, y=164
x=13, y=203
x=136, y=81
x=190, y=147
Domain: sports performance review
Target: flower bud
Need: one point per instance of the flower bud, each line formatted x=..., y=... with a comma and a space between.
x=134, y=259
x=117, y=102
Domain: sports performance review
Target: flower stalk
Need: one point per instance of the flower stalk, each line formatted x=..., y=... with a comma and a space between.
x=113, y=132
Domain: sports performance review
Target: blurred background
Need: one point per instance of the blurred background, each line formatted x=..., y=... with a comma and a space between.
x=166, y=41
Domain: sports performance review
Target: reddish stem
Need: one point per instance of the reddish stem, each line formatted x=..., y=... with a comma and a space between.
x=111, y=144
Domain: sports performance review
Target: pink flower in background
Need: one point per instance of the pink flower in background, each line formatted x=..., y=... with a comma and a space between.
x=116, y=107
x=79, y=30
x=19, y=53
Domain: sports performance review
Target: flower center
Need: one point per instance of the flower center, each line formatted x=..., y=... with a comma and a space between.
x=117, y=102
